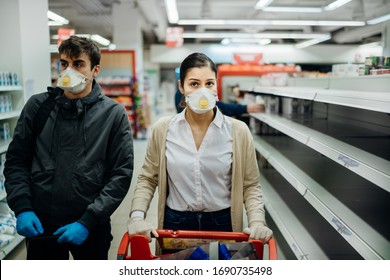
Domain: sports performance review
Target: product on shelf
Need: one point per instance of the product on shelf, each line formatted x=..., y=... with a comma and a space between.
x=5, y=103
x=376, y=65
x=346, y=70
x=8, y=78
x=5, y=134
x=7, y=224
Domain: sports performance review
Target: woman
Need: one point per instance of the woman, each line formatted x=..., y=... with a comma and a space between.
x=203, y=162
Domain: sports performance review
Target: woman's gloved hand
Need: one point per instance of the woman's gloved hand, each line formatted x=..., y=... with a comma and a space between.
x=28, y=224
x=74, y=233
x=138, y=225
x=259, y=232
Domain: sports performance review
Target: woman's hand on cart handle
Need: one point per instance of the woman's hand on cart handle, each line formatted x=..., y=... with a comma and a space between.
x=259, y=232
x=138, y=225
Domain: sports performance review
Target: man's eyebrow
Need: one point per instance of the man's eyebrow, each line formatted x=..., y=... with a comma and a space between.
x=74, y=61
x=78, y=61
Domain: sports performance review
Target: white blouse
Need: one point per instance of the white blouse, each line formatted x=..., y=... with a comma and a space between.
x=199, y=180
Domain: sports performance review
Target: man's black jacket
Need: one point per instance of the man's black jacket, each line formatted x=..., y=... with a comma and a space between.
x=79, y=168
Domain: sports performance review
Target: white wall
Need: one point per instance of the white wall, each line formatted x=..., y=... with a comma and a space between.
x=24, y=46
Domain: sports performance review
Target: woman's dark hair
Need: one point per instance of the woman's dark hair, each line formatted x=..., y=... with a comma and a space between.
x=75, y=46
x=192, y=61
x=196, y=60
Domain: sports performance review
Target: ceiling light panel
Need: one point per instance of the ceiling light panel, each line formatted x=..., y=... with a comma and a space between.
x=336, y=4
x=265, y=35
x=261, y=4
x=292, y=10
x=57, y=18
x=171, y=9
x=379, y=19
x=270, y=22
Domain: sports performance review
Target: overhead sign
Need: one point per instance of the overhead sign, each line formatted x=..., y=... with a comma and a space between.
x=174, y=37
x=248, y=58
x=64, y=33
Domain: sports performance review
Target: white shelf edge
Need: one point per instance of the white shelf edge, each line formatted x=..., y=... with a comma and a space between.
x=3, y=146
x=298, y=238
x=292, y=129
x=10, y=88
x=10, y=115
x=288, y=91
x=366, y=240
x=3, y=195
x=369, y=166
x=375, y=101
x=8, y=248
x=367, y=100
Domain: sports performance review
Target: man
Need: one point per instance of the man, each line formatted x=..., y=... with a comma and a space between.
x=64, y=183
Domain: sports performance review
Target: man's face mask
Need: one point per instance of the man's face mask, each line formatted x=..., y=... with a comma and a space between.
x=201, y=100
x=72, y=81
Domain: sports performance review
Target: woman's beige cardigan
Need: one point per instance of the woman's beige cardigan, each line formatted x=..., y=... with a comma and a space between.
x=245, y=176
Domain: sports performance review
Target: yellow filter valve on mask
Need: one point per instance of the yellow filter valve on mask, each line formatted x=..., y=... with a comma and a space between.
x=66, y=81
x=203, y=103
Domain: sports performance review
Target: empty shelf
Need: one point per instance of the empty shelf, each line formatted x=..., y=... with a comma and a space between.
x=369, y=166
x=357, y=232
x=298, y=238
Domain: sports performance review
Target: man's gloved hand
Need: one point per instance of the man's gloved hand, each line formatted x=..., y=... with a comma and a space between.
x=74, y=233
x=138, y=225
x=28, y=224
x=259, y=232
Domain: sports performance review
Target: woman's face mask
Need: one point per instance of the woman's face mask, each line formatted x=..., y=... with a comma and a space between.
x=201, y=100
x=72, y=81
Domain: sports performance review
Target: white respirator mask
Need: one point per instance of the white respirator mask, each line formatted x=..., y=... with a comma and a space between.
x=201, y=100
x=72, y=81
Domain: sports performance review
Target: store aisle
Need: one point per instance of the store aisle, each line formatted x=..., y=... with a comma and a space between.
x=119, y=217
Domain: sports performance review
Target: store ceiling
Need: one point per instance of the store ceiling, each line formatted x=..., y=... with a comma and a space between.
x=95, y=16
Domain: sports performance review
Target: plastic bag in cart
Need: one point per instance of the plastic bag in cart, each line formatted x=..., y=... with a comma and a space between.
x=216, y=251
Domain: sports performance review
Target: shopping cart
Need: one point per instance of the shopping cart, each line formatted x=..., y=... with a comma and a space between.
x=137, y=246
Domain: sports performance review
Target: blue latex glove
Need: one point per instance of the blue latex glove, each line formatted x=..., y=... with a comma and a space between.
x=74, y=233
x=28, y=224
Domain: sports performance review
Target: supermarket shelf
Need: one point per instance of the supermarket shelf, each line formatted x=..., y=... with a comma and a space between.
x=127, y=84
x=117, y=94
x=10, y=115
x=10, y=88
x=367, y=165
x=375, y=101
x=298, y=238
x=360, y=235
x=294, y=92
x=3, y=147
x=354, y=92
x=3, y=195
x=7, y=249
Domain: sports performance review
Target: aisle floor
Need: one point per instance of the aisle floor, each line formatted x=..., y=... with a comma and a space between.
x=119, y=217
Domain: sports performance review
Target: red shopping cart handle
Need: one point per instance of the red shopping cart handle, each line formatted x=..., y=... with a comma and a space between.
x=237, y=236
x=140, y=250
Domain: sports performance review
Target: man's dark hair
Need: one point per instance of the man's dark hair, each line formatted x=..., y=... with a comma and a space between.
x=75, y=46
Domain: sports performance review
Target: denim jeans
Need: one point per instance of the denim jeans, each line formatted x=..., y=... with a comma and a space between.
x=213, y=221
